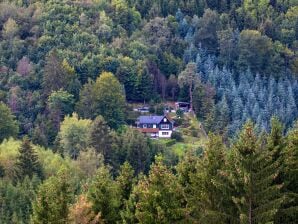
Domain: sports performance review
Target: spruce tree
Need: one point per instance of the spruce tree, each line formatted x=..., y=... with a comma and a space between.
x=160, y=197
x=252, y=174
x=104, y=195
x=53, y=198
x=288, y=213
x=125, y=180
x=210, y=197
x=27, y=162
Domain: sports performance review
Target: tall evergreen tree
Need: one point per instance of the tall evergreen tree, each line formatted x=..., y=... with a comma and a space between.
x=252, y=175
x=27, y=161
x=210, y=197
x=103, y=193
x=53, y=199
x=159, y=197
x=289, y=211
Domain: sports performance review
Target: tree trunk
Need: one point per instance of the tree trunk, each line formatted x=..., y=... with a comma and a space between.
x=190, y=98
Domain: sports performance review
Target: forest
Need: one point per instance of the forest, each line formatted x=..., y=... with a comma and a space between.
x=71, y=72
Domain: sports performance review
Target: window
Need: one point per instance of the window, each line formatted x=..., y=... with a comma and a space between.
x=164, y=126
x=144, y=125
x=165, y=133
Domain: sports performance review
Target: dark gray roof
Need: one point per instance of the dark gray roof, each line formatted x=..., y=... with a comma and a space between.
x=150, y=119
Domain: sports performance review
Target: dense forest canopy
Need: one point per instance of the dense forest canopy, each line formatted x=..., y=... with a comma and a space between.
x=71, y=72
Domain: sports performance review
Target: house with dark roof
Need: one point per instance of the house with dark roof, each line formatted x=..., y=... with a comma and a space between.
x=155, y=126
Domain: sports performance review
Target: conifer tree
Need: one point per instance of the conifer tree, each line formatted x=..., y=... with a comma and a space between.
x=101, y=138
x=27, y=161
x=289, y=211
x=160, y=197
x=125, y=180
x=104, y=196
x=8, y=125
x=252, y=175
x=210, y=197
x=53, y=199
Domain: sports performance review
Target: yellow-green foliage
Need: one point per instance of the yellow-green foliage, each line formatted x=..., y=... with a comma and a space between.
x=74, y=135
x=50, y=161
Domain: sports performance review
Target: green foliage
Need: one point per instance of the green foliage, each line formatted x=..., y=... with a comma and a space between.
x=52, y=200
x=61, y=102
x=27, y=161
x=8, y=125
x=125, y=181
x=189, y=78
x=159, y=197
x=135, y=149
x=104, y=195
x=252, y=174
x=101, y=138
x=16, y=200
x=288, y=211
x=74, y=135
x=177, y=136
x=107, y=98
x=210, y=195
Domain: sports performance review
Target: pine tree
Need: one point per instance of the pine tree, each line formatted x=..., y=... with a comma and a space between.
x=252, y=174
x=135, y=150
x=27, y=161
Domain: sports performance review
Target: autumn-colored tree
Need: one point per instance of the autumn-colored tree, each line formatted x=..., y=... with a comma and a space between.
x=81, y=212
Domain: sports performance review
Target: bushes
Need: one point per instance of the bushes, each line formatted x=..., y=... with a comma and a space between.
x=177, y=136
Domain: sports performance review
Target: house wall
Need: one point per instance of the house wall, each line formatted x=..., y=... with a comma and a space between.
x=165, y=133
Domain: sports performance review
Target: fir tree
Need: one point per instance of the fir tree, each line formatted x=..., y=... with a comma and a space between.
x=27, y=161
x=104, y=195
x=53, y=198
x=160, y=197
x=210, y=197
x=252, y=174
x=288, y=213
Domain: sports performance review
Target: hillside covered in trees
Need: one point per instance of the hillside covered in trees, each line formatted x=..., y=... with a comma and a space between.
x=71, y=71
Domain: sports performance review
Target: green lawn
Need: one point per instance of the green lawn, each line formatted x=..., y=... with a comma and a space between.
x=194, y=136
